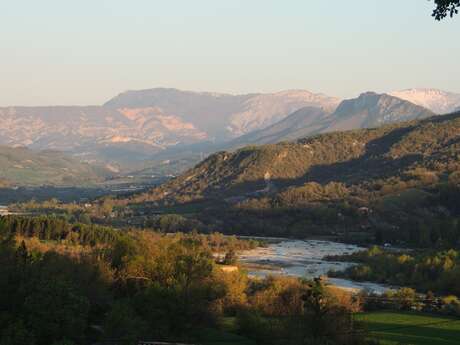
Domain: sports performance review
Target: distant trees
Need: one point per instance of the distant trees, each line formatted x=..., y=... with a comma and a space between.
x=57, y=229
x=433, y=271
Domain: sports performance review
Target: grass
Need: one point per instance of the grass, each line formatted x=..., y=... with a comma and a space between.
x=395, y=328
x=225, y=335
x=388, y=327
x=218, y=337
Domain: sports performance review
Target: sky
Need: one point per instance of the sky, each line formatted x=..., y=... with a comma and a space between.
x=63, y=52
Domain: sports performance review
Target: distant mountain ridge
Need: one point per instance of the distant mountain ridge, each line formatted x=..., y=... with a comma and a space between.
x=137, y=127
x=368, y=110
x=372, y=110
x=438, y=101
x=67, y=128
x=223, y=116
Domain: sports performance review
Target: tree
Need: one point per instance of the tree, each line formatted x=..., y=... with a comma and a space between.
x=230, y=257
x=55, y=311
x=316, y=306
x=122, y=324
x=16, y=333
x=445, y=8
x=325, y=317
x=405, y=298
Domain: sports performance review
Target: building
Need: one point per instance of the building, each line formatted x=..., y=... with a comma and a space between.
x=4, y=211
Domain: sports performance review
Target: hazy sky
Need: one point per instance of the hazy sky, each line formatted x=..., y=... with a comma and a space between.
x=86, y=51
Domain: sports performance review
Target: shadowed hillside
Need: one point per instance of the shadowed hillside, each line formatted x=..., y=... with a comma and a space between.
x=385, y=183
x=351, y=157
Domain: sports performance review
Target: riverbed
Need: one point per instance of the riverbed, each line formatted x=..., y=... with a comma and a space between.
x=304, y=259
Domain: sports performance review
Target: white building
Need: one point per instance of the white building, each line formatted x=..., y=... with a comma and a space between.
x=4, y=211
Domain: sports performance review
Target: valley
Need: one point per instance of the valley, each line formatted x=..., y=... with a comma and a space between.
x=366, y=223
x=229, y=172
x=258, y=205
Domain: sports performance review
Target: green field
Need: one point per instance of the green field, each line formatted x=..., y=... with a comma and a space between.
x=221, y=337
x=388, y=327
x=395, y=328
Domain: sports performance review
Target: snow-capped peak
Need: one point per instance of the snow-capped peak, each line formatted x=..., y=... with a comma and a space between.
x=438, y=101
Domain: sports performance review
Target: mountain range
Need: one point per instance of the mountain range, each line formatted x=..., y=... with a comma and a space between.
x=223, y=116
x=136, y=125
x=162, y=129
x=368, y=110
x=438, y=101
x=410, y=154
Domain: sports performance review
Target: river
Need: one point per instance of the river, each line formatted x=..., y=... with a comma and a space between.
x=304, y=259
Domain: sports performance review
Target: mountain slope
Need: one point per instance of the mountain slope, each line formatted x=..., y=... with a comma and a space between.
x=299, y=124
x=355, y=157
x=223, y=116
x=367, y=110
x=22, y=166
x=68, y=128
x=372, y=110
x=438, y=101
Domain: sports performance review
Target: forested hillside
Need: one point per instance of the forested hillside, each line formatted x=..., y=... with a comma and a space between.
x=428, y=147
x=378, y=180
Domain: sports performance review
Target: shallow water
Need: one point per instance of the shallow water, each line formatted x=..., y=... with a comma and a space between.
x=304, y=259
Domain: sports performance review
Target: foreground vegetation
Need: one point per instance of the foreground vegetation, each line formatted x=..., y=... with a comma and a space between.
x=64, y=283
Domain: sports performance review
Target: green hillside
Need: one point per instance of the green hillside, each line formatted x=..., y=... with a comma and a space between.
x=417, y=150
x=22, y=166
x=383, y=183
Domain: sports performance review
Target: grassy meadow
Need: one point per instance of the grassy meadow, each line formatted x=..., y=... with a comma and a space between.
x=395, y=328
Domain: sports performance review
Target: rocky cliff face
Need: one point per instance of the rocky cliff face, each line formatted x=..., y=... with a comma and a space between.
x=68, y=128
x=223, y=116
